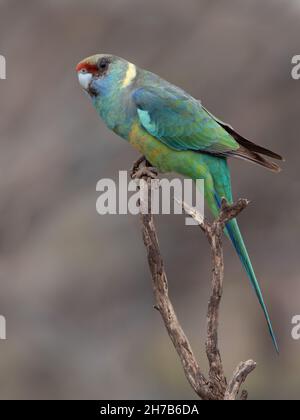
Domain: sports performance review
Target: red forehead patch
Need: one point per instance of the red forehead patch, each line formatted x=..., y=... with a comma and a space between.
x=90, y=68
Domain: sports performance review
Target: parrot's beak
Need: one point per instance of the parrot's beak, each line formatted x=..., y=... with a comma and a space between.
x=85, y=80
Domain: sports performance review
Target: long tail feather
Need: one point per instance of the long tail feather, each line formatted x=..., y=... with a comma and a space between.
x=218, y=185
x=237, y=240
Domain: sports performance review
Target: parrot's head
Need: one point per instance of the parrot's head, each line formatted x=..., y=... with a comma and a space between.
x=102, y=74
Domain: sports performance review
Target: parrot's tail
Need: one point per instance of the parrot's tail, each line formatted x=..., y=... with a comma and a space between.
x=235, y=235
x=217, y=185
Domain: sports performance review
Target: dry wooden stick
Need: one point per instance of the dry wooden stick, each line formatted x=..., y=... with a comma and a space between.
x=239, y=377
x=215, y=387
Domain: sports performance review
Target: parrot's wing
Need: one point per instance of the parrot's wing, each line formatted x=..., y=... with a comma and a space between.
x=180, y=121
x=249, y=145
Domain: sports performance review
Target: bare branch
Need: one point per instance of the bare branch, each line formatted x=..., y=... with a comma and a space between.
x=239, y=376
x=215, y=233
x=231, y=211
x=216, y=372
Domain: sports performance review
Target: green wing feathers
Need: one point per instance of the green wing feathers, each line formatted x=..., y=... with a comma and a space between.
x=182, y=123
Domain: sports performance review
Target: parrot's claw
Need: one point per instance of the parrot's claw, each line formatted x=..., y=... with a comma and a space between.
x=143, y=169
x=137, y=165
x=145, y=172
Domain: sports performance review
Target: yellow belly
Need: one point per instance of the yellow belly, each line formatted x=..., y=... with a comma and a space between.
x=164, y=158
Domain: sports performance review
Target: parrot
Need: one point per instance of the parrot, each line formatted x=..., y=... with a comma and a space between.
x=176, y=134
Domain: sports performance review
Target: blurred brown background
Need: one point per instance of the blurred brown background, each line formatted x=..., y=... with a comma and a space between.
x=75, y=287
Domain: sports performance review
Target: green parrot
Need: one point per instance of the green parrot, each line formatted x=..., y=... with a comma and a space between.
x=175, y=133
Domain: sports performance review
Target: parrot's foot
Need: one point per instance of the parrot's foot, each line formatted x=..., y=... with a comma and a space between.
x=143, y=169
x=137, y=164
x=146, y=172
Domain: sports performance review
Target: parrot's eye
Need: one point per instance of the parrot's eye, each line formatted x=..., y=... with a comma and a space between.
x=83, y=71
x=103, y=64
